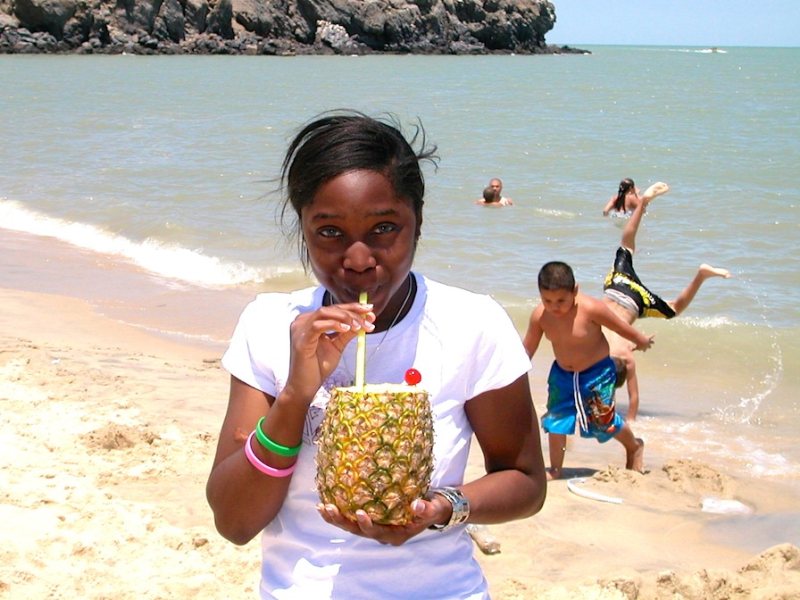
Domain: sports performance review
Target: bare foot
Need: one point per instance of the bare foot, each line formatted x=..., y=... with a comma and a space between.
x=659, y=188
x=706, y=271
x=635, y=460
x=553, y=473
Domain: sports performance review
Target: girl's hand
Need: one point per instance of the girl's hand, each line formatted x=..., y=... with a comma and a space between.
x=425, y=515
x=317, y=341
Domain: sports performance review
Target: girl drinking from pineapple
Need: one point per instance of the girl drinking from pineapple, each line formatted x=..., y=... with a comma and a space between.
x=354, y=186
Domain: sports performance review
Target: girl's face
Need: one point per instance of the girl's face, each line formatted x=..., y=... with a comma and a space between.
x=361, y=237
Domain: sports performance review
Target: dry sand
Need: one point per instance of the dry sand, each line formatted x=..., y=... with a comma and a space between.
x=107, y=436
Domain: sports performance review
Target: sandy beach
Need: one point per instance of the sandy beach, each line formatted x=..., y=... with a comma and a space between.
x=108, y=433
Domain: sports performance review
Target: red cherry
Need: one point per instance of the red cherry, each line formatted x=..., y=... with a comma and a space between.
x=413, y=377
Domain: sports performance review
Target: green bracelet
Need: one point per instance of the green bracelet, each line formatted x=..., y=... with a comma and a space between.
x=274, y=446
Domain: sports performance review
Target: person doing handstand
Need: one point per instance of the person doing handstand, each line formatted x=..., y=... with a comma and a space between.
x=629, y=298
x=583, y=376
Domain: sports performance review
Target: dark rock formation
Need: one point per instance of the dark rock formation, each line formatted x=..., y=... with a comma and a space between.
x=277, y=26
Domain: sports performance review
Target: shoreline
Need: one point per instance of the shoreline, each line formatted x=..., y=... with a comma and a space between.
x=109, y=432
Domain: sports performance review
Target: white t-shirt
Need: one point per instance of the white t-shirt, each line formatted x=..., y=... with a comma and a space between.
x=463, y=344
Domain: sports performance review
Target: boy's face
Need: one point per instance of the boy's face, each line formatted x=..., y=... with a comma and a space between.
x=558, y=302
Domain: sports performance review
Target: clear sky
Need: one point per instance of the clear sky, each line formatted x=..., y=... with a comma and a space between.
x=677, y=22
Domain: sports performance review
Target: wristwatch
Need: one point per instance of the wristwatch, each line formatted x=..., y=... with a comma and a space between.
x=460, y=507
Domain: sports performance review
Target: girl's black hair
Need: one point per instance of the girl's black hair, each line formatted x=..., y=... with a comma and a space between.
x=625, y=186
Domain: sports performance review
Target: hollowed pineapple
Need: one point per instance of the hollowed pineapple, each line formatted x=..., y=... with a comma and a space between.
x=376, y=451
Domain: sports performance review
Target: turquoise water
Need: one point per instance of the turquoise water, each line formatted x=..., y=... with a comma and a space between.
x=167, y=163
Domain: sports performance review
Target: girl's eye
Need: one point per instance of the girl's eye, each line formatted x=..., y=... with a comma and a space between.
x=329, y=232
x=385, y=228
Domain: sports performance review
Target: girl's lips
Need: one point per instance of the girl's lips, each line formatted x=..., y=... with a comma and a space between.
x=352, y=292
x=348, y=295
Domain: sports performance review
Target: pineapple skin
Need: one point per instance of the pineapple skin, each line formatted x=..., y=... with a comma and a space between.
x=375, y=451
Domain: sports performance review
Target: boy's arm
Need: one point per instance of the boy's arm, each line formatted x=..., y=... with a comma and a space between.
x=534, y=334
x=603, y=316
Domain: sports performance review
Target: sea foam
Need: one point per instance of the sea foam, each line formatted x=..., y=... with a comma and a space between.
x=168, y=260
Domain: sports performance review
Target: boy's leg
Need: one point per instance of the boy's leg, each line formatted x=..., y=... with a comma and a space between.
x=687, y=295
x=634, y=448
x=557, y=443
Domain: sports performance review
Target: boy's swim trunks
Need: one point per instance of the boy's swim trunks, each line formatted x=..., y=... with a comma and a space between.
x=622, y=280
x=586, y=397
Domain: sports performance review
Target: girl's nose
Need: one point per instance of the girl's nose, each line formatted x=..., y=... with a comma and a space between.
x=358, y=257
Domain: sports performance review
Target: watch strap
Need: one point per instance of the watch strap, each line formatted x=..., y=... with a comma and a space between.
x=460, y=506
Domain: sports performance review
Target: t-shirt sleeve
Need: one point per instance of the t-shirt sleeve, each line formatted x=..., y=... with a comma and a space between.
x=499, y=356
x=244, y=358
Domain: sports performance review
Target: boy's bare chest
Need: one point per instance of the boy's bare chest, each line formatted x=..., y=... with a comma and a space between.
x=576, y=331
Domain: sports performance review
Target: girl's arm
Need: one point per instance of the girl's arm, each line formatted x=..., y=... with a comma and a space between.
x=609, y=206
x=244, y=500
x=506, y=427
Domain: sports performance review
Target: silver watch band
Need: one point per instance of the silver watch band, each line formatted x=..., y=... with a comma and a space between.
x=460, y=507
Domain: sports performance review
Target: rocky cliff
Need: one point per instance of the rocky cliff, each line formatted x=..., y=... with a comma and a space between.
x=276, y=26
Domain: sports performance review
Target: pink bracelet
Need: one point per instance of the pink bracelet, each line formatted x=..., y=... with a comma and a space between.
x=258, y=464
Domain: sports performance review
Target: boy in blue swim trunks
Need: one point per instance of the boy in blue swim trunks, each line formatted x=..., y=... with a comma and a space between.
x=583, y=377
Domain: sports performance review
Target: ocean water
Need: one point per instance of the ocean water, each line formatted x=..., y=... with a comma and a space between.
x=161, y=171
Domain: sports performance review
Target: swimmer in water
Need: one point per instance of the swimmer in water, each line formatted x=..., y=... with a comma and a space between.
x=625, y=201
x=493, y=195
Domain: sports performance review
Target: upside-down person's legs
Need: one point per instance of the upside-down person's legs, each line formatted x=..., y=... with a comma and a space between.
x=632, y=226
x=704, y=272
